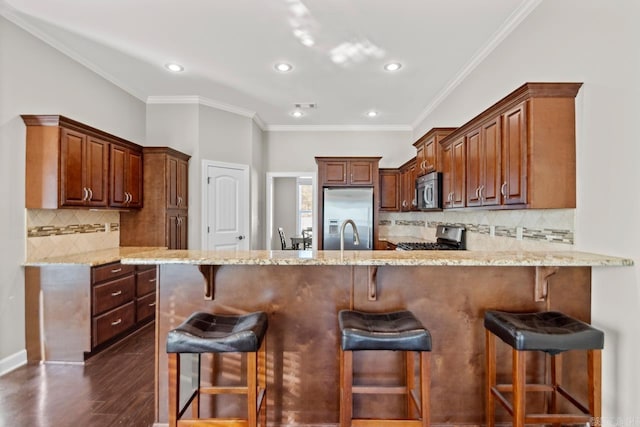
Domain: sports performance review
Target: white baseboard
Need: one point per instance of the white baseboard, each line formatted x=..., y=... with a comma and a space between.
x=12, y=362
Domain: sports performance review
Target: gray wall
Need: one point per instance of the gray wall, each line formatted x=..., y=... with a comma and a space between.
x=36, y=79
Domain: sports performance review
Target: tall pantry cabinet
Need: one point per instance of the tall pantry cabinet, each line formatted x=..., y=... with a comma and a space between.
x=164, y=219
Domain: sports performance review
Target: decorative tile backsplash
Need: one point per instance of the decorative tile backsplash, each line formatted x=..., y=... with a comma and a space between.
x=61, y=232
x=495, y=230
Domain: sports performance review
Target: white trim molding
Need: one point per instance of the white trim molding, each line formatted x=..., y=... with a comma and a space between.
x=13, y=361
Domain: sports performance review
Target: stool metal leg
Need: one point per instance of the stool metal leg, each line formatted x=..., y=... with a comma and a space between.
x=346, y=385
x=490, y=359
x=174, y=388
x=519, y=373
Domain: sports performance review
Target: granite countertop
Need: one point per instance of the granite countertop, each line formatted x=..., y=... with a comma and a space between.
x=377, y=258
x=93, y=258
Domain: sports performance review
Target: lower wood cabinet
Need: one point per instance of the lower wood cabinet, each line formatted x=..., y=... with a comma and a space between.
x=74, y=311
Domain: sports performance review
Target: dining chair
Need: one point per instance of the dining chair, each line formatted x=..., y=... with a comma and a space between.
x=283, y=239
x=306, y=238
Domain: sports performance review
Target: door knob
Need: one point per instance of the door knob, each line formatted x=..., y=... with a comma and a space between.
x=240, y=237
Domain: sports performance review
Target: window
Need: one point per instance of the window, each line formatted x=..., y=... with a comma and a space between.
x=305, y=204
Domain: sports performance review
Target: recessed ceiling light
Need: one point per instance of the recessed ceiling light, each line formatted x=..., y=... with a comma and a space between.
x=372, y=113
x=283, y=67
x=297, y=114
x=172, y=66
x=393, y=66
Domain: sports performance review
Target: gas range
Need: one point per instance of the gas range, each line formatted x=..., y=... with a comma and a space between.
x=448, y=237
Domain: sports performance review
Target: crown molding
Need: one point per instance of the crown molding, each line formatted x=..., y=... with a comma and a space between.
x=510, y=24
x=13, y=16
x=207, y=102
x=339, y=128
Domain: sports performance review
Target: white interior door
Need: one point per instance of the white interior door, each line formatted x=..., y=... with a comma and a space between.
x=226, y=206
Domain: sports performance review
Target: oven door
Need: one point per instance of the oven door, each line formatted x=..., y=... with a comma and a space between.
x=429, y=190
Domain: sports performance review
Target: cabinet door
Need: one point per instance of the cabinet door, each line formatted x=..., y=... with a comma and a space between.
x=430, y=155
x=421, y=161
x=183, y=231
x=389, y=190
x=361, y=173
x=491, y=164
x=126, y=177
x=177, y=230
x=335, y=172
x=474, y=167
x=72, y=154
x=453, y=174
x=133, y=178
x=514, y=156
x=97, y=171
x=118, y=172
x=177, y=183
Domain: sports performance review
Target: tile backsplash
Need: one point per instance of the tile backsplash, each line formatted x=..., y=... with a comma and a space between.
x=526, y=229
x=61, y=232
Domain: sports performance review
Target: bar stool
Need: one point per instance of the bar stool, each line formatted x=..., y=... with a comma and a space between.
x=552, y=333
x=397, y=331
x=217, y=333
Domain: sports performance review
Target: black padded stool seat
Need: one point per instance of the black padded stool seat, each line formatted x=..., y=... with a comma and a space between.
x=399, y=330
x=396, y=331
x=553, y=333
x=548, y=331
x=217, y=333
x=220, y=333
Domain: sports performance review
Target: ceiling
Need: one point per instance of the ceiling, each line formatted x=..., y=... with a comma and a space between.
x=229, y=48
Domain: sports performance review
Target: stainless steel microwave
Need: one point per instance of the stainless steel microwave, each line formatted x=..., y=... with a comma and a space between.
x=429, y=191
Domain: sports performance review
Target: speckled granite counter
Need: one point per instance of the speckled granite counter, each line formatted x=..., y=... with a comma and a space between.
x=93, y=258
x=376, y=258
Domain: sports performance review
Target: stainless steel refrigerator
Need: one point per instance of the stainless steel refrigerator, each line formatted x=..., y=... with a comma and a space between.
x=341, y=204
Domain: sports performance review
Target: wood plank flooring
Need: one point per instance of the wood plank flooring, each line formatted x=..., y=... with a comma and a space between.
x=115, y=387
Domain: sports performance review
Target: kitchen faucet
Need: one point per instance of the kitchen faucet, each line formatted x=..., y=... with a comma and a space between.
x=356, y=237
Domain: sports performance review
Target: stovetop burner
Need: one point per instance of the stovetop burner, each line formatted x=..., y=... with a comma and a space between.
x=448, y=237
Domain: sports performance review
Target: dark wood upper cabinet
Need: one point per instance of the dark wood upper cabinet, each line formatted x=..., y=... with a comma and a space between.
x=83, y=170
x=356, y=171
x=177, y=180
x=483, y=164
x=126, y=177
x=70, y=164
x=454, y=173
x=514, y=156
x=389, y=190
x=429, y=151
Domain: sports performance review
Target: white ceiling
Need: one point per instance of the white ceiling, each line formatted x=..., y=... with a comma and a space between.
x=229, y=48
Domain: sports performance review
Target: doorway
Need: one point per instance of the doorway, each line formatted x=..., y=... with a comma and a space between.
x=225, y=206
x=284, y=188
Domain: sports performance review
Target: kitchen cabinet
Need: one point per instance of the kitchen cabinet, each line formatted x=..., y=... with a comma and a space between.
x=177, y=222
x=520, y=152
x=146, y=280
x=83, y=169
x=353, y=171
x=483, y=170
x=68, y=164
x=408, y=174
x=429, y=151
x=74, y=311
x=514, y=156
x=453, y=173
x=163, y=220
x=389, y=190
x=125, y=177
x=112, y=303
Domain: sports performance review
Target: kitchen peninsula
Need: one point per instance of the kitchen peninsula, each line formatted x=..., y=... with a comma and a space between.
x=302, y=292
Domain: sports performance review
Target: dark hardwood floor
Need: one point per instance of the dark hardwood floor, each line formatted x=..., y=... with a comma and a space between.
x=115, y=387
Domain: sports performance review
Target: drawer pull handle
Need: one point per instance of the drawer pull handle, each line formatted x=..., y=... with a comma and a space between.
x=116, y=270
x=117, y=322
x=153, y=304
x=152, y=280
x=115, y=294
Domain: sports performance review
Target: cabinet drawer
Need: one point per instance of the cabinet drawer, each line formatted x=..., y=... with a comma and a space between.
x=146, y=307
x=112, y=323
x=110, y=271
x=145, y=282
x=112, y=294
